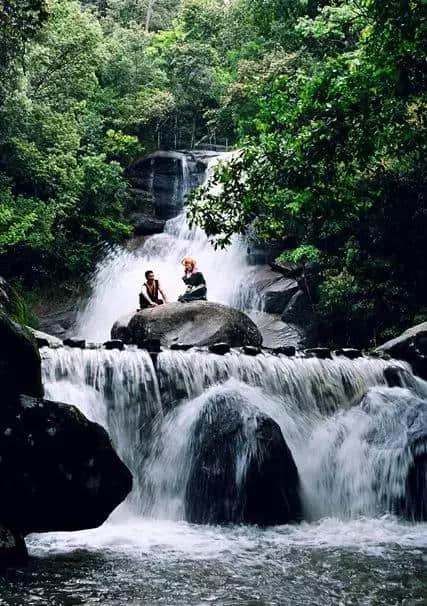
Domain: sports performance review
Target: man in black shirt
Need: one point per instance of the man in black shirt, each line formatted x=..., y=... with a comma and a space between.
x=195, y=282
x=151, y=289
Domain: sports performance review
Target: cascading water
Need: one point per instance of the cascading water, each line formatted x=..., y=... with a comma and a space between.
x=120, y=275
x=151, y=416
x=353, y=440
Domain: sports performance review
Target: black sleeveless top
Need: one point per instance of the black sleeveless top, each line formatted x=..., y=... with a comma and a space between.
x=153, y=294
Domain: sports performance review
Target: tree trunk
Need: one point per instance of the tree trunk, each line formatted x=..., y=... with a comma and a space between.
x=150, y=7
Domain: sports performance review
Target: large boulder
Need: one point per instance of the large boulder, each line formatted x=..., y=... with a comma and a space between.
x=273, y=288
x=19, y=361
x=276, y=333
x=410, y=346
x=168, y=176
x=196, y=324
x=58, y=471
x=242, y=470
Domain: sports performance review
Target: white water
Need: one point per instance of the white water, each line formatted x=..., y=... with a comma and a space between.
x=351, y=552
x=352, y=461
x=119, y=277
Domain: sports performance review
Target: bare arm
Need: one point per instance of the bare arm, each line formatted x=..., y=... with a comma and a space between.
x=161, y=291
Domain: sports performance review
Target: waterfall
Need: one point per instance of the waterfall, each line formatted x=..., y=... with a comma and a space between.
x=353, y=459
x=117, y=389
x=119, y=277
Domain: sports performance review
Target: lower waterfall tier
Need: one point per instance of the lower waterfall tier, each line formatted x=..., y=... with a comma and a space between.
x=358, y=445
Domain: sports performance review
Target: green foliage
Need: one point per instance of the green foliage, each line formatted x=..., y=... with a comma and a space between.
x=326, y=98
x=334, y=157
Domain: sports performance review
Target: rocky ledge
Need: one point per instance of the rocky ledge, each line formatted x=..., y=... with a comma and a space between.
x=199, y=323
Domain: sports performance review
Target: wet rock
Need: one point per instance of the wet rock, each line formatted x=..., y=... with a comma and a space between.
x=75, y=342
x=410, y=346
x=274, y=290
x=396, y=376
x=276, y=333
x=319, y=352
x=13, y=550
x=151, y=345
x=19, y=361
x=114, y=344
x=220, y=490
x=219, y=348
x=146, y=225
x=168, y=176
x=45, y=340
x=180, y=347
x=286, y=350
x=5, y=294
x=289, y=270
x=58, y=471
x=59, y=323
x=251, y=350
x=197, y=323
x=349, y=352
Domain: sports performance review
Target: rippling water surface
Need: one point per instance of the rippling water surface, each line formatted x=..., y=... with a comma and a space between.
x=131, y=561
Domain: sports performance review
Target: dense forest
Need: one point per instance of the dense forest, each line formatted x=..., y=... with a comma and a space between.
x=326, y=100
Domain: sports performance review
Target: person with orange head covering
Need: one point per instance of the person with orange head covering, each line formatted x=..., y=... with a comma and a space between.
x=195, y=282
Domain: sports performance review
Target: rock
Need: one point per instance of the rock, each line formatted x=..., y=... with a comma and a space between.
x=75, y=342
x=286, y=351
x=274, y=290
x=114, y=344
x=300, y=315
x=276, y=333
x=349, y=352
x=395, y=376
x=45, y=340
x=219, y=348
x=13, y=550
x=192, y=324
x=168, y=176
x=251, y=350
x=229, y=431
x=180, y=347
x=121, y=331
x=59, y=323
x=289, y=270
x=19, y=361
x=410, y=346
x=151, y=345
x=319, y=352
x=146, y=225
x=58, y=471
x=5, y=294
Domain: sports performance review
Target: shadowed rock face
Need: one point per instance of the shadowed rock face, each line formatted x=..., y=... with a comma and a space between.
x=411, y=346
x=242, y=469
x=13, y=550
x=19, y=361
x=197, y=323
x=58, y=471
x=168, y=176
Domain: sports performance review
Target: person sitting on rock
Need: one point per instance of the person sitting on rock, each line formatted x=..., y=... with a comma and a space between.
x=196, y=285
x=149, y=295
